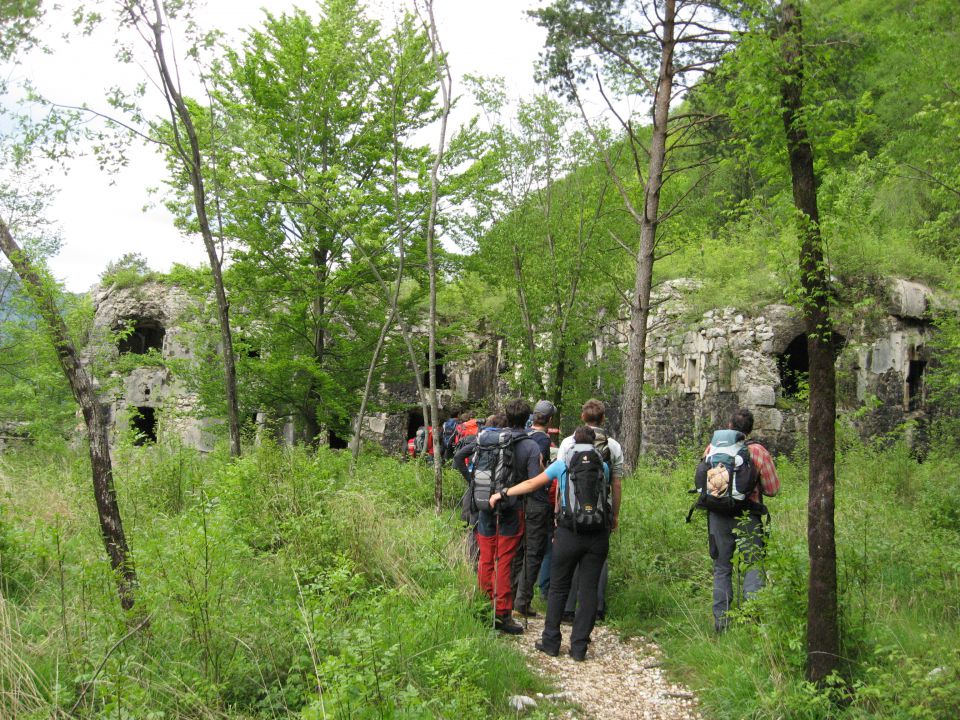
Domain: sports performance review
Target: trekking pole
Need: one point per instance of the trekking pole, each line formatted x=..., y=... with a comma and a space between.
x=496, y=559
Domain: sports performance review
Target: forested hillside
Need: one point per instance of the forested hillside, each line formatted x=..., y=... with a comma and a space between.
x=362, y=243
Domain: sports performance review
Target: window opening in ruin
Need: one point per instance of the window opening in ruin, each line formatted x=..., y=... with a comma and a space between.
x=915, y=372
x=692, y=379
x=335, y=442
x=793, y=364
x=443, y=382
x=144, y=423
x=661, y=374
x=144, y=336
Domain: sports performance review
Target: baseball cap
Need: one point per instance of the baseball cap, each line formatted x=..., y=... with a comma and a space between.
x=546, y=408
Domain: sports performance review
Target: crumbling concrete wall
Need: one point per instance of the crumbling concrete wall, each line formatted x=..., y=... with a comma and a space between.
x=154, y=307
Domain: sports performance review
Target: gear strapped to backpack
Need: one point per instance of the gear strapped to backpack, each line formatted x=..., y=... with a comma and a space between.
x=584, y=491
x=492, y=466
x=726, y=477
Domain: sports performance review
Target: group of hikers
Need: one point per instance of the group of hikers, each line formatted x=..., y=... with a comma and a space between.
x=542, y=514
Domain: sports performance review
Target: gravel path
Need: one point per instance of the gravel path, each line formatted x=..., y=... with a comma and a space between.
x=620, y=680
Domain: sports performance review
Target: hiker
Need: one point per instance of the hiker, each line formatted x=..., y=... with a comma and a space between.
x=502, y=459
x=462, y=463
x=593, y=414
x=743, y=528
x=587, y=504
x=537, y=515
x=447, y=432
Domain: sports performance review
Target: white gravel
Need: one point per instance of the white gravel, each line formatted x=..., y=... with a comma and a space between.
x=620, y=679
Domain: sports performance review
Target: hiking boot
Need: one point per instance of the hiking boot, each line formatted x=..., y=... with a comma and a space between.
x=567, y=617
x=526, y=611
x=545, y=650
x=601, y=615
x=506, y=624
x=578, y=656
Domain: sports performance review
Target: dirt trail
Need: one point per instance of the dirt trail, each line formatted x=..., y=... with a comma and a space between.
x=620, y=680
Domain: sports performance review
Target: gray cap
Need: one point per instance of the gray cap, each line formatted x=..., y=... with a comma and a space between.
x=545, y=408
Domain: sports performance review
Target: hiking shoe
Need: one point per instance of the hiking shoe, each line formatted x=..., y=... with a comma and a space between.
x=578, y=656
x=526, y=611
x=506, y=624
x=545, y=650
x=601, y=615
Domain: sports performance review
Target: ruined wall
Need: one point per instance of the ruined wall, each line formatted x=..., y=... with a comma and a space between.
x=148, y=398
x=700, y=369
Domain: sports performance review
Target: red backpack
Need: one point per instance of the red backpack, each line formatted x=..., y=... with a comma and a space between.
x=463, y=431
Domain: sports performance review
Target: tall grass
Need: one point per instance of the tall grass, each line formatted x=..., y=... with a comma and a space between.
x=898, y=540
x=274, y=586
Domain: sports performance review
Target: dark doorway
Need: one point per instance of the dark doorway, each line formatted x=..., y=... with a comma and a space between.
x=144, y=424
x=793, y=364
x=145, y=336
x=414, y=421
x=915, y=372
x=335, y=442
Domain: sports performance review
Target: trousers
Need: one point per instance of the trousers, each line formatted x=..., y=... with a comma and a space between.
x=727, y=535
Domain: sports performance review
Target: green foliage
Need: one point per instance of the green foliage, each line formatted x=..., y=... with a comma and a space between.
x=129, y=270
x=899, y=572
x=276, y=587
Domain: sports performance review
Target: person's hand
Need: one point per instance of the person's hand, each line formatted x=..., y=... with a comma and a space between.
x=616, y=523
x=494, y=499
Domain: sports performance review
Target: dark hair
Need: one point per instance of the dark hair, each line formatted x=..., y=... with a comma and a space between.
x=585, y=435
x=497, y=420
x=592, y=412
x=541, y=419
x=742, y=421
x=518, y=410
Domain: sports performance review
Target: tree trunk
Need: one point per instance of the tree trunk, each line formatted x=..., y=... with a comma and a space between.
x=445, y=80
x=822, y=628
x=527, y=321
x=191, y=159
x=631, y=430
x=111, y=525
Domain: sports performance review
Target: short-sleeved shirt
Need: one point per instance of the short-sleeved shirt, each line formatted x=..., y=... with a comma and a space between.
x=616, y=453
x=543, y=442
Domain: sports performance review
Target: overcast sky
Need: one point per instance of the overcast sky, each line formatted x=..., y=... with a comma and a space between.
x=101, y=217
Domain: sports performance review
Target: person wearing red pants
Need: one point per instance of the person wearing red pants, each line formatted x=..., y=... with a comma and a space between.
x=499, y=532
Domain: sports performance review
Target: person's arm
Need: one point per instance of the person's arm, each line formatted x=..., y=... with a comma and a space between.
x=527, y=486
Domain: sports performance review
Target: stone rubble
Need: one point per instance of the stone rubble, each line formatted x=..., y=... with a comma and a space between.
x=620, y=679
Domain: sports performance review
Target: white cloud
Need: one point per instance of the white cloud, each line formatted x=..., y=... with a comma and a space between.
x=101, y=216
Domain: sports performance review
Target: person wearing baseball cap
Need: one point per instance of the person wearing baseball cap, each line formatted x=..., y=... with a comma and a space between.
x=538, y=515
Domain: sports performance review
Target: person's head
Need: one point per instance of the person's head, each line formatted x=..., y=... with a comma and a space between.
x=584, y=435
x=497, y=420
x=592, y=412
x=466, y=415
x=542, y=412
x=517, y=410
x=742, y=421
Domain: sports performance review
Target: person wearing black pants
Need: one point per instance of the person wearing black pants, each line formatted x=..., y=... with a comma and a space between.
x=571, y=547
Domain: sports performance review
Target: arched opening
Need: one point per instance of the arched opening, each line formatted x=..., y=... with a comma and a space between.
x=916, y=368
x=335, y=442
x=144, y=424
x=144, y=335
x=793, y=364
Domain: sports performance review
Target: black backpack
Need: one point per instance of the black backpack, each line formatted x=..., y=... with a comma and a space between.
x=492, y=466
x=584, y=492
x=726, y=477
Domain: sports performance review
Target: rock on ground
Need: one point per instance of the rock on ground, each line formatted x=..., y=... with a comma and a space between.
x=620, y=679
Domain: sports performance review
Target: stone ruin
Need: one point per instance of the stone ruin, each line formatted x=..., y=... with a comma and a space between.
x=697, y=371
x=148, y=400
